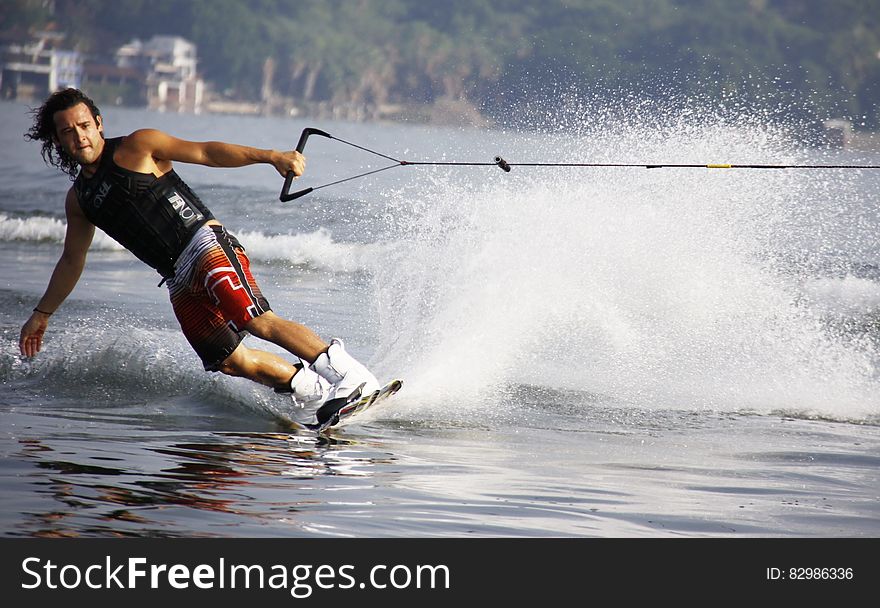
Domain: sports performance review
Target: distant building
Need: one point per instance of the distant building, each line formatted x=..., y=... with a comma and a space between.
x=161, y=72
x=168, y=65
x=35, y=68
x=108, y=75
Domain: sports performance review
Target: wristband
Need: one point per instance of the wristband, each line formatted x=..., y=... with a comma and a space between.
x=43, y=312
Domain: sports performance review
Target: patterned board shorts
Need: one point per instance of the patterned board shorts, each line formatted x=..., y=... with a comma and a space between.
x=214, y=294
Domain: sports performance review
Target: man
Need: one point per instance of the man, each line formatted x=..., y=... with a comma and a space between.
x=127, y=187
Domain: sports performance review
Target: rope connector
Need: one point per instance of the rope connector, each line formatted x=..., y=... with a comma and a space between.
x=502, y=163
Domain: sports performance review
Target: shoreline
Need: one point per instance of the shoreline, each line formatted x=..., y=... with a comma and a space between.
x=443, y=113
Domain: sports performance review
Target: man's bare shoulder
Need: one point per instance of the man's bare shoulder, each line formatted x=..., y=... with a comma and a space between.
x=143, y=139
x=145, y=151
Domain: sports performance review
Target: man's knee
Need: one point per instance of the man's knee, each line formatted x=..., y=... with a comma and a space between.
x=265, y=326
x=234, y=364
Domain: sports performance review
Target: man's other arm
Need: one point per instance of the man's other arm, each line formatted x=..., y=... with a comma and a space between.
x=64, y=278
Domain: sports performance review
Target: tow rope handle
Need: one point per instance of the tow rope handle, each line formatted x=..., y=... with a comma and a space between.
x=286, y=195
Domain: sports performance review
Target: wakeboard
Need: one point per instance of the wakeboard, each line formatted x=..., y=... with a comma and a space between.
x=366, y=402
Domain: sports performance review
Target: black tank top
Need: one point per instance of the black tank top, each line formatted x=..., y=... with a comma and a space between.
x=153, y=217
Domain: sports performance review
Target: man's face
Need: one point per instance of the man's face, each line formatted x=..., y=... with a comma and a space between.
x=80, y=134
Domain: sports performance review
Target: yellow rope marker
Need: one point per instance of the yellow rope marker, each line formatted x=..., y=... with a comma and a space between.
x=719, y=166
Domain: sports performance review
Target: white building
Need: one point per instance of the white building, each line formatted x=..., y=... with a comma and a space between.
x=35, y=69
x=169, y=64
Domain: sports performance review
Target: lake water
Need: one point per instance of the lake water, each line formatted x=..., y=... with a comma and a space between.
x=586, y=352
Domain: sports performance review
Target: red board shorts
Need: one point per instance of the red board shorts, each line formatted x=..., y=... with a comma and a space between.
x=214, y=294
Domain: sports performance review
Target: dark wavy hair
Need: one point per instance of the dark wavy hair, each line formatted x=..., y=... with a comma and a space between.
x=43, y=129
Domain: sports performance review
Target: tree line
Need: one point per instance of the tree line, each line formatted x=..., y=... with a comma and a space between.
x=808, y=56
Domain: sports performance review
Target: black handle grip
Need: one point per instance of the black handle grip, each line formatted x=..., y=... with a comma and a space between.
x=288, y=179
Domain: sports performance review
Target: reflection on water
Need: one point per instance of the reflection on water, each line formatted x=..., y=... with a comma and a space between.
x=220, y=475
x=670, y=476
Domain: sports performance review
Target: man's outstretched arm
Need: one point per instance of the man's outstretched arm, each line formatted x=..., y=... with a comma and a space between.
x=67, y=271
x=160, y=146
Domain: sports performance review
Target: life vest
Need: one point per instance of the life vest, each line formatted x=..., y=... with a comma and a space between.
x=153, y=217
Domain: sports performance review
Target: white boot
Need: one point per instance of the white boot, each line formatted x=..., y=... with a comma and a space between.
x=308, y=391
x=349, y=380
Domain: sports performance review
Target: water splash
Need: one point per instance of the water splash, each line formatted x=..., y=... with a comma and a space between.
x=317, y=249
x=46, y=229
x=151, y=369
x=658, y=289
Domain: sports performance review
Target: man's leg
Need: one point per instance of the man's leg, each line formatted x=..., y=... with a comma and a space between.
x=347, y=378
x=293, y=337
x=233, y=303
x=307, y=390
x=260, y=366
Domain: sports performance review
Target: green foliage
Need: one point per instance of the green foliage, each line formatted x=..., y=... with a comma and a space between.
x=501, y=54
x=22, y=14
